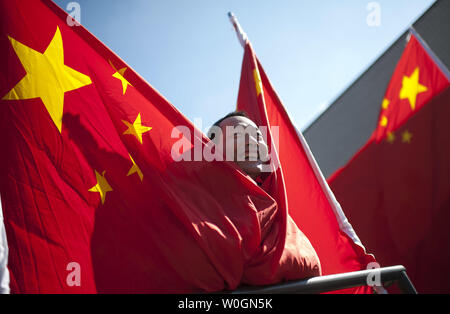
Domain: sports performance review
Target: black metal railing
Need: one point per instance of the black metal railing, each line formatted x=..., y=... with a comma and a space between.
x=386, y=276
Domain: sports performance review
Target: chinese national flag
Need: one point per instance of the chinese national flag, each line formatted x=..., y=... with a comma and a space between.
x=300, y=185
x=396, y=189
x=93, y=198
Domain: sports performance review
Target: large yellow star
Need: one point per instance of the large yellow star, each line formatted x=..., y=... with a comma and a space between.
x=411, y=87
x=136, y=129
x=119, y=74
x=47, y=77
x=102, y=186
x=135, y=169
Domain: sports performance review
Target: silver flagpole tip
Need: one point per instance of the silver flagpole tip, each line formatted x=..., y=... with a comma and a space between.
x=239, y=32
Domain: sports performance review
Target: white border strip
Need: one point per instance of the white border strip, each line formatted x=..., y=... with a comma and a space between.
x=4, y=273
x=344, y=224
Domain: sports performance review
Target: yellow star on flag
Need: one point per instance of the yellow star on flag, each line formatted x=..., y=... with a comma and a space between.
x=411, y=88
x=258, y=83
x=135, y=169
x=102, y=186
x=119, y=74
x=136, y=129
x=406, y=136
x=47, y=77
x=390, y=137
x=384, y=121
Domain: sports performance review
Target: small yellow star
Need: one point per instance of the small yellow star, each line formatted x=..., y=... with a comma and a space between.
x=136, y=129
x=258, y=83
x=390, y=138
x=384, y=121
x=102, y=186
x=406, y=136
x=385, y=103
x=119, y=74
x=135, y=169
x=411, y=88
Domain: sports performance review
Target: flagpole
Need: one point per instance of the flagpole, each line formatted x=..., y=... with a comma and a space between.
x=430, y=52
x=242, y=36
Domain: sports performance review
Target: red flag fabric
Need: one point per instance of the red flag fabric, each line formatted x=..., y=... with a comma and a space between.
x=396, y=189
x=300, y=185
x=94, y=195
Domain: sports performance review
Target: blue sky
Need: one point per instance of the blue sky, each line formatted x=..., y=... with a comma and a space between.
x=187, y=50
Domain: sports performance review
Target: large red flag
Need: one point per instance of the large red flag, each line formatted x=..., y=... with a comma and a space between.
x=396, y=189
x=300, y=186
x=95, y=197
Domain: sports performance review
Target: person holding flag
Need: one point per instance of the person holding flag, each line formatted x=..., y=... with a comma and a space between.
x=237, y=136
x=93, y=200
x=88, y=178
x=299, y=186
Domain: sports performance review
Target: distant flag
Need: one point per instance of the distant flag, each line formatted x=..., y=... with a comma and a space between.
x=92, y=197
x=396, y=189
x=301, y=187
x=416, y=80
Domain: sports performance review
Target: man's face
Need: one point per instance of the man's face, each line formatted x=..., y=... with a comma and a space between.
x=244, y=144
